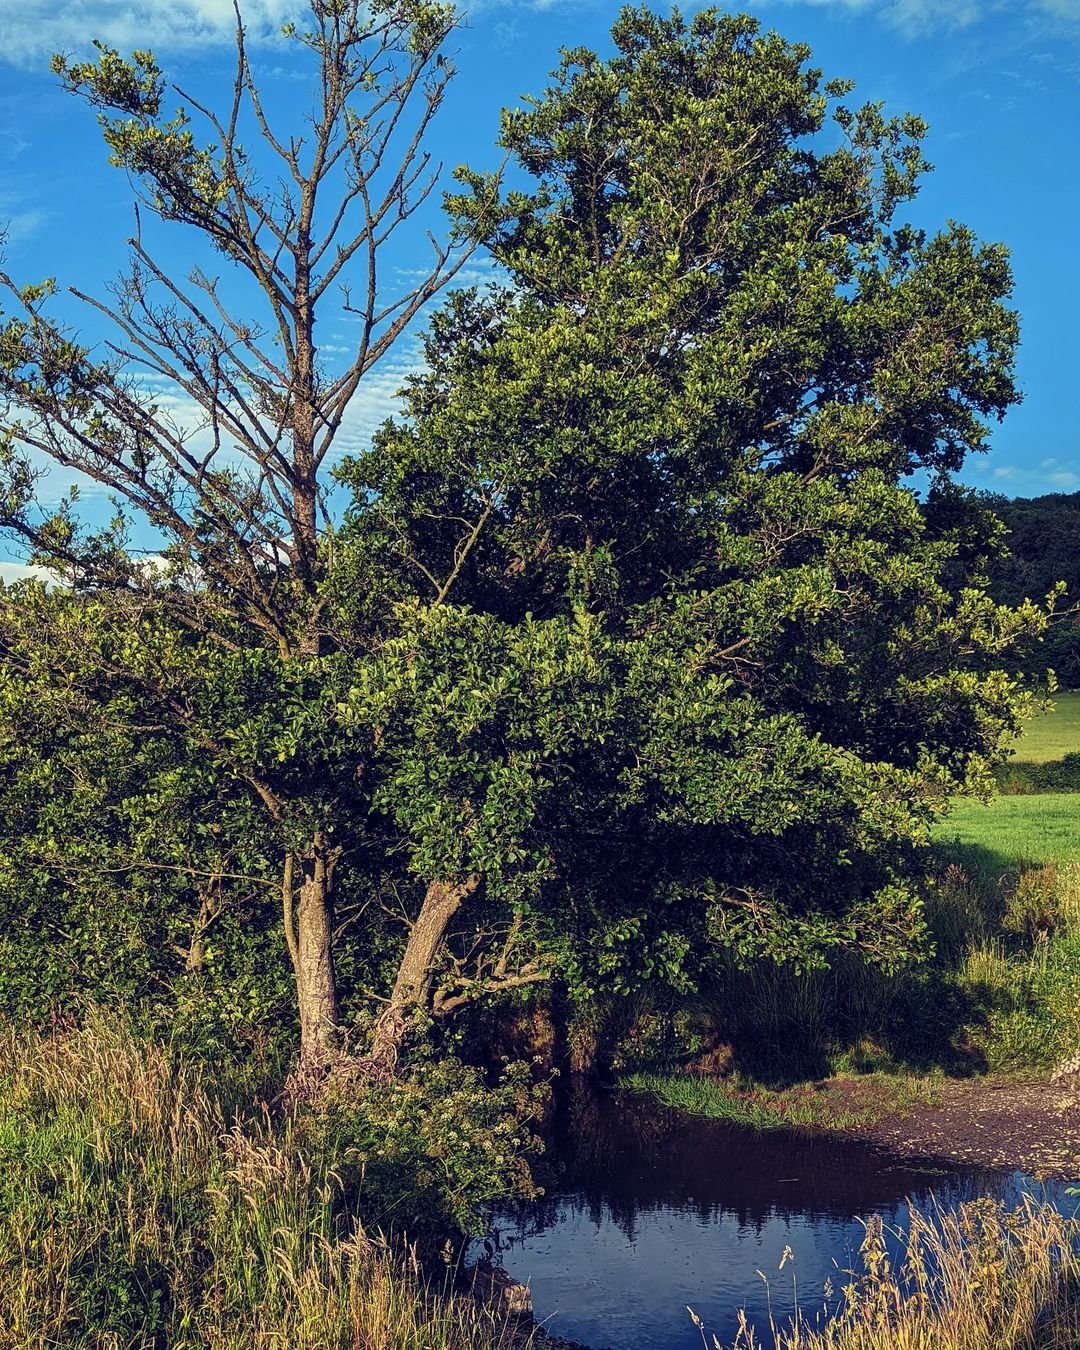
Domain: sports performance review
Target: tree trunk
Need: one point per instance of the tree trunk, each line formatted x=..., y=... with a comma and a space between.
x=311, y=947
x=412, y=986
x=210, y=906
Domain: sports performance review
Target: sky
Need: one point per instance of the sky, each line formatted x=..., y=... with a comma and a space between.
x=997, y=80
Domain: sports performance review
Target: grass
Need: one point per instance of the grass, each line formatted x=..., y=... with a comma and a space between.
x=1052, y=735
x=1023, y=829
x=141, y=1209
x=838, y=1104
x=979, y=1278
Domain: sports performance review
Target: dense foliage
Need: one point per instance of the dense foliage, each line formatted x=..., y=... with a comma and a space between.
x=635, y=651
x=1041, y=552
x=671, y=452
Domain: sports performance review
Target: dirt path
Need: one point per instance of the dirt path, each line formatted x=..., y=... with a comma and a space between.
x=1031, y=1127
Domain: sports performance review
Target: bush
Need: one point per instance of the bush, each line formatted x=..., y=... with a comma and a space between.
x=432, y=1147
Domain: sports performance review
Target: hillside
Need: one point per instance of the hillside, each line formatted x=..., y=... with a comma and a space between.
x=1043, y=535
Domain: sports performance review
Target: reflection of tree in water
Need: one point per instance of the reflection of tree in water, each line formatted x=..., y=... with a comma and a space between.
x=617, y=1156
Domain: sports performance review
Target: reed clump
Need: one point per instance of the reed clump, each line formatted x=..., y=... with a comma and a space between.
x=981, y=1277
x=141, y=1207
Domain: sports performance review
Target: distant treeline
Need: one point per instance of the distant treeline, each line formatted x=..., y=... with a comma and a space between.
x=1044, y=548
x=1023, y=778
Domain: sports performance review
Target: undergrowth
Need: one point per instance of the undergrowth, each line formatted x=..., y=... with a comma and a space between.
x=143, y=1206
x=999, y=993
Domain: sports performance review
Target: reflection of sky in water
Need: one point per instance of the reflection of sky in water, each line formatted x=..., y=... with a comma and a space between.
x=654, y=1213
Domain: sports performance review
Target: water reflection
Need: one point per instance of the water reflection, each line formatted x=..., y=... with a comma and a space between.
x=649, y=1211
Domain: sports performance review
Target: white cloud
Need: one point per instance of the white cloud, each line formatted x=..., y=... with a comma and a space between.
x=35, y=28
x=20, y=215
x=16, y=227
x=14, y=571
x=911, y=16
x=375, y=400
x=1027, y=480
x=1064, y=9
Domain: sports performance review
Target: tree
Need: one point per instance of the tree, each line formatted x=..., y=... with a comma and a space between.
x=700, y=673
x=300, y=223
x=634, y=644
x=1040, y=554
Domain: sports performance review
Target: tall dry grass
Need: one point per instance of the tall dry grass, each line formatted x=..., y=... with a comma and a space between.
x=139, y=1209
x=978, y=1278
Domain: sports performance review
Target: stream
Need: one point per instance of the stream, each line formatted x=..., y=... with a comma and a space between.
x=648, y=1211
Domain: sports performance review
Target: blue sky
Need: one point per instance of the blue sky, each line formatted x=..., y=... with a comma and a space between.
x=998, y=80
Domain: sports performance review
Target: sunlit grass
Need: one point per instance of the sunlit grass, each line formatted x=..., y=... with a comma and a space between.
x=979, y=1278
x=1052, y=735
x=1042, y=828
x=138, y=1211
x=837, y=1104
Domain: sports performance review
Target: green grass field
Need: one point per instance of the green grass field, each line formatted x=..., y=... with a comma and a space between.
x=1052, y=735
x=1030, y=828
x=1044, y=828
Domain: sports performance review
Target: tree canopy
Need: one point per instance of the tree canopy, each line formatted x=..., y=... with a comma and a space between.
x=635, y=643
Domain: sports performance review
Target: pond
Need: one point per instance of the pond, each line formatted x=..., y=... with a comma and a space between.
x=650, y=1211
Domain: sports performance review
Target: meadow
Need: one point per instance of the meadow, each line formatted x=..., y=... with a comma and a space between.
x=1036, y=828
x=1052, y=734
x=1026, y=825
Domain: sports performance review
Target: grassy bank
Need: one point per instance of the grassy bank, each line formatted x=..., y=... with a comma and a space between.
x=143, y=1205
x=861, y=1100
x=980, y=1278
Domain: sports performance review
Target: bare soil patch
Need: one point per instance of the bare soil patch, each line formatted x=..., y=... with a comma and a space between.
x=1031, y=1127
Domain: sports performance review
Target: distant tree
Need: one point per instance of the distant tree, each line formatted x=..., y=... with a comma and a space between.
x=1039, y=552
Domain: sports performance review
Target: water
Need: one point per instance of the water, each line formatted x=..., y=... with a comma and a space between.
x=650, y=1211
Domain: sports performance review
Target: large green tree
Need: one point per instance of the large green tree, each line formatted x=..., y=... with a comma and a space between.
x=634, y=641
x=230, y=643
x=702, y=673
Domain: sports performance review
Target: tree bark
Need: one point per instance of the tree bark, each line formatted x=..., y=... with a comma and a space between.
x=313, y=958
x=412, y=985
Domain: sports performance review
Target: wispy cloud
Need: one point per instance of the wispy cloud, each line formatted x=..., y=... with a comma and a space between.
x=16, y=227
x=911, y=16
x=916, y=16
x=35, y=28
x=21, y=210
x=1027, y=480
x=376, y=399
x=11, y=572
